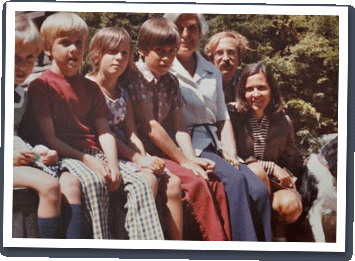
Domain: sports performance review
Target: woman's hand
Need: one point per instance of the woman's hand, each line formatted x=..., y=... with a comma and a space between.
x=23, y=158
x=111, y=174
x=154, y=164
x=283, y=176
x=231, y=160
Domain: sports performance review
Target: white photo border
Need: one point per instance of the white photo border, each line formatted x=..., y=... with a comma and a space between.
x=342, y=12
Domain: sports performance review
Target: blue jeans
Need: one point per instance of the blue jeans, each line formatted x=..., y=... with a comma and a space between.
x=248, y=200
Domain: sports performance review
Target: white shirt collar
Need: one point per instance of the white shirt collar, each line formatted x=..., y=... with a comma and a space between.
x=146, y=72
x=203, y=68
x=21, y=91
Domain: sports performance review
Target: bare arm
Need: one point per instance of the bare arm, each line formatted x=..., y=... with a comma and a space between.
x=65, y=150
x=109, y=147
x=131, y=132
x=136, y=150
x=162, y=139
x=183, y=139
x=158, y=134
x=226, y=133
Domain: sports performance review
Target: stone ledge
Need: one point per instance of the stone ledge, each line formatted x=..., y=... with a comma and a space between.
x=24, y=213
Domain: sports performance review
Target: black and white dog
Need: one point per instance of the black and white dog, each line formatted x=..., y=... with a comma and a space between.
x=319, y=193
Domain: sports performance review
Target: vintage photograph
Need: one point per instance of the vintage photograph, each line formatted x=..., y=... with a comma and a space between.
x=196, y=127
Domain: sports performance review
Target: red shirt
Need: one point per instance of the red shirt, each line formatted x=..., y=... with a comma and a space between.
x=73, y=103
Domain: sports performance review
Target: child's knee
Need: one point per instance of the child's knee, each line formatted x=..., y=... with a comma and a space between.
x=70, y=184
x=50, y=190
x=94, y=180
x=152, y=180
x=174, y=187
x=287, y=205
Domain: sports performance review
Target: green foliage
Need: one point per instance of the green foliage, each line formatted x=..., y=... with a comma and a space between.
x=303, y=50
x=304, y=54
x=309, y=124
x=130, y=21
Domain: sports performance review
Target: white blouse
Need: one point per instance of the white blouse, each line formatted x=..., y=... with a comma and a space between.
x=204, y=101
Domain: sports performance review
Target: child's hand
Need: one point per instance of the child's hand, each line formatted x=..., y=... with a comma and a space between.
x=99, y=166
x=115, y=180
x=23, y=158
x=48, y=156
x=207, y=164
x=155, y=164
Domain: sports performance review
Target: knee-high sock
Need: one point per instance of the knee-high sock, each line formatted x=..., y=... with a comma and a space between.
x=48, y=227
x=74, y=230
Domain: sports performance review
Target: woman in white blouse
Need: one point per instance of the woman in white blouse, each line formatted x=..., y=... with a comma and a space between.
x=207, y=119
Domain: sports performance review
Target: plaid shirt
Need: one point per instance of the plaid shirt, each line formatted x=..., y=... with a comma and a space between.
x=163, y=94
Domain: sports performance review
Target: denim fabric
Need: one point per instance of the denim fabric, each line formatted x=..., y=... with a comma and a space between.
x=248, y=200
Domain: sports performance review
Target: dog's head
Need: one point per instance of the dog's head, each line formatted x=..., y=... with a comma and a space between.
x=330, y=153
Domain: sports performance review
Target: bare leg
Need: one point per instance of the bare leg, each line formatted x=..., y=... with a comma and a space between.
x=71, y=188
x=287, y=205
x=152, y=179
x=170, y=184
x=46, y=186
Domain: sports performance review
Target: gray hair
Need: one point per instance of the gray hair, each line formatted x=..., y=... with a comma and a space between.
x=201, y=20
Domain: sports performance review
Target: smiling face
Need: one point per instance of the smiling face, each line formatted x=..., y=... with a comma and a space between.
x=159, y=59
x=226, y=58
x=25, y=56
x=190, y=33
x=257, y=93
x=67, y=53
x=115, y=61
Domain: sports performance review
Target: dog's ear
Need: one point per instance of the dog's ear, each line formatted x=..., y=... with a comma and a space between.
x=307, y=187
x=330, y=153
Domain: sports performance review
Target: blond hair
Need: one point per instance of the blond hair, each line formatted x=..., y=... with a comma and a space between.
x=61, y=24
x=26, y=32
x=105, y=39
x=241, y=41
